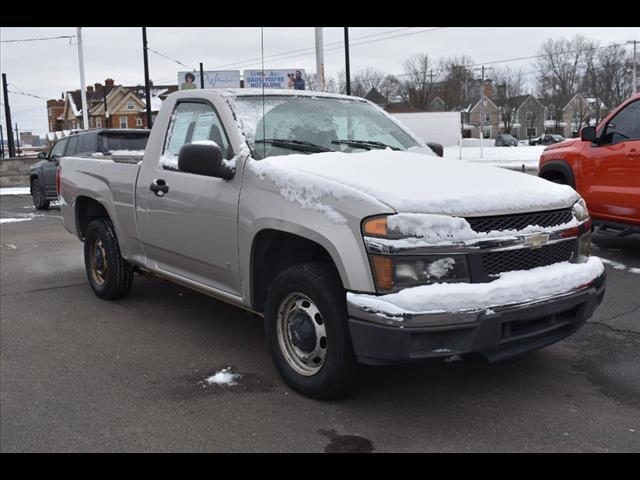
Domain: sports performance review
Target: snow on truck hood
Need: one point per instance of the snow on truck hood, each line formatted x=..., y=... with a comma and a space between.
x=412, y=182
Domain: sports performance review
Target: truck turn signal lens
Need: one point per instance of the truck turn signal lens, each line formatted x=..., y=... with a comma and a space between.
x=376, y=226
x=383, y=270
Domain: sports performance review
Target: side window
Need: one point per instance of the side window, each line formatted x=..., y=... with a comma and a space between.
x=73, y=146
x=192, y=122
x=87, y=144
x=625, y=125
x=58, y=149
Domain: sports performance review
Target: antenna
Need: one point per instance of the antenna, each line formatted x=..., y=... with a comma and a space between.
x=264, y=127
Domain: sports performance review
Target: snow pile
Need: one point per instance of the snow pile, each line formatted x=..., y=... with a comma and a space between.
x=416, y=183
x=301, y=188
x=15, y=191
x=433, y=229
x=14, y=220
x=510, y=288
x=224, y=377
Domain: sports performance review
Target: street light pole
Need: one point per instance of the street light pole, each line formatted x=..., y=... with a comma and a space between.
x=319, y=58
x=83, y=92
x=146, y=76
x=346, y=60
x=635, y=66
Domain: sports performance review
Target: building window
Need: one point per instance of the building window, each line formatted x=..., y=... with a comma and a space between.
x=130, y=105
x=138, y=122
x=531, y=131
x=487, y=117
x=487, y=132
x=529, y=116
x=123, y=122
x=551, y=113
x=98, y=122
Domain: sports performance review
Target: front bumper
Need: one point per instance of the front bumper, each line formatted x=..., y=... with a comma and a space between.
x=498, y=333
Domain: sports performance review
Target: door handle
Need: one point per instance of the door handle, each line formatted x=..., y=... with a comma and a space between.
x=159, y=187
x=633, y=153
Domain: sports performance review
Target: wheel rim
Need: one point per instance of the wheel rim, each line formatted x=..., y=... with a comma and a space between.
x=302, y=334
x=38, y=195
x=98, y=262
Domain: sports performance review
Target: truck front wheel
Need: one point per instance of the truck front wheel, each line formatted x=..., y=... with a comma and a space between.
x=307, y=331
x=110, y=275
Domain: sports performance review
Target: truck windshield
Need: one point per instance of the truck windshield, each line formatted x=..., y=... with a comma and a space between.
x=298, y=124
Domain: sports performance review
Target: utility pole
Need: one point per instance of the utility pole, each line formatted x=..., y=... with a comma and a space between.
x=17, y=140
x=635, y=66
x=83, y=92
x=1, y=142
x=319, y=58
x=106, y=112
x=482, y=110
x=7, y=112
x=201, y=76
x=346, y=60
x=146, y=76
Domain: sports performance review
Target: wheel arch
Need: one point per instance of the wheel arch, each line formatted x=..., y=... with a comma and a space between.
x=558, y=168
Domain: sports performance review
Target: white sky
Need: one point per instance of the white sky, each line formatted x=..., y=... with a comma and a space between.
x=47, y=68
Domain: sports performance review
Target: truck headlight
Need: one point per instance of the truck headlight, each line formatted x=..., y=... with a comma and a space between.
x=580, y=210
x=393, y=273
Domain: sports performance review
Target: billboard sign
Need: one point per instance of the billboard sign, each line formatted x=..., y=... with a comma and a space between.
x=293, y=79
x=212, y=79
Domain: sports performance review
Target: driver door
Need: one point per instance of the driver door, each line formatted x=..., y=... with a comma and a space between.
x=611, y=168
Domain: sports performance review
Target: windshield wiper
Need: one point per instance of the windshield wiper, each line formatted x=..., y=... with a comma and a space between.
x=295, y=145
x=366, y=144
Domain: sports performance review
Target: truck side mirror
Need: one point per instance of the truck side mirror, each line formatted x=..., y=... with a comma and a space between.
x=43, y=156
x=203, y=159
x=437, y=148
x=588, y=134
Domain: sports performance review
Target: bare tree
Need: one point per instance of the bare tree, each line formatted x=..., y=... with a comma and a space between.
x=608, y=78
x=454, y=89
x=419, y=85
x=364, y=80
x=510, y=84
x=561, y=68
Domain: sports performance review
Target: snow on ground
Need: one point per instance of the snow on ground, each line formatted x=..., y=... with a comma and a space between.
x=510, y=288
x=14, y=220
x=224, y=377
x=505, y=157
x=620, y=266
x=15, y=191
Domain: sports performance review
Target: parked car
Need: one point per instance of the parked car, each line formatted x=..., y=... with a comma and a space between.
x=340, y=227
x=603, y=165
x=547, y=139
x=42, y=177
x=504, y=140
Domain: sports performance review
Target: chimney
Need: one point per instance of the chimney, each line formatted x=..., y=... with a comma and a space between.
x=108, y=82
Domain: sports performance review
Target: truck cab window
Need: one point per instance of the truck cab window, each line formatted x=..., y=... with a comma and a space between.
x=192, y=122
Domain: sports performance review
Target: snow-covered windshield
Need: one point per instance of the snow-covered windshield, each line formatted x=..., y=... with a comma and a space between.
x=292, y=124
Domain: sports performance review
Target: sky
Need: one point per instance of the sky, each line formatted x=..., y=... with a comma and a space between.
x=49, y=67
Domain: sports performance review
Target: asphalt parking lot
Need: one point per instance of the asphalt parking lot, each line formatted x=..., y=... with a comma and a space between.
x=81, y=374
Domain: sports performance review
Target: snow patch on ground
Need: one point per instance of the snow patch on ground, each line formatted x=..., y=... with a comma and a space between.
x=11, y=246
x=224, y=377
x=509, y=157
x=14, y=220
x=620, y=266
x=510, y=288
x=15, y=191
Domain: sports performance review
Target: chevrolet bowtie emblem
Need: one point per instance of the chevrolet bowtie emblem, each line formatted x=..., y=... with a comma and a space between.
x=536, y=240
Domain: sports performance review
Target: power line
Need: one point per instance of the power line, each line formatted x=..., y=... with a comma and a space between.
x=37, y=39
x=27, y=94
x=169, y=58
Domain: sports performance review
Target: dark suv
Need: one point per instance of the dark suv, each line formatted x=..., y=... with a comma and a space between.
x=42, y=178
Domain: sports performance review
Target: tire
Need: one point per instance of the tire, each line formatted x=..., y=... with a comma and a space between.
x=38, y=196
x=110, y=276
x=338, y=371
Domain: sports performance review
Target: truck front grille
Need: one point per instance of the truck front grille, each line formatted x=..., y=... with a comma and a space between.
x=520, y=220
x=527, y=258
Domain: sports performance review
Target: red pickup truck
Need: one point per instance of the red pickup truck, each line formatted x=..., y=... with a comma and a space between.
x=603, y=166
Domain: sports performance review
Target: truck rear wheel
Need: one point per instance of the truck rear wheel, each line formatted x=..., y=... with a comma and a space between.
x=307, y=331
x=38, y=196
x=110, y=275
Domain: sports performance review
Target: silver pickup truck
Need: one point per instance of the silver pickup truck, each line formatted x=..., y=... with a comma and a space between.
x=327, y=217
